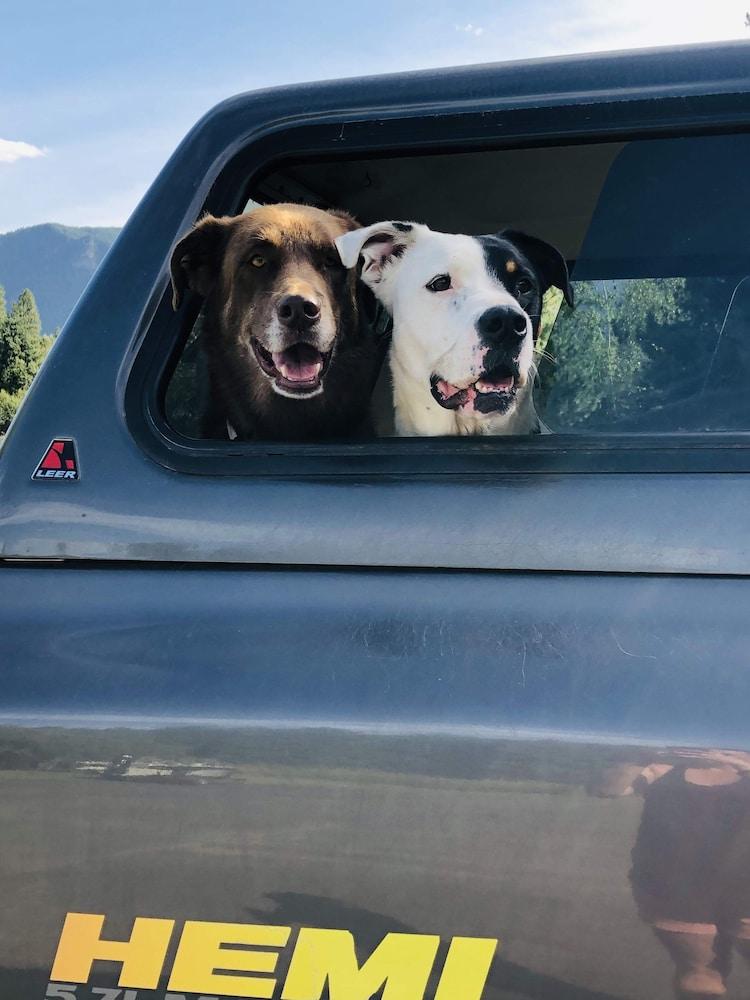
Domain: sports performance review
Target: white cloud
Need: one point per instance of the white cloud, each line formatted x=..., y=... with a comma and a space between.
x=596, y=26
x=591, y=25
x=470, y=29
x=11, y=151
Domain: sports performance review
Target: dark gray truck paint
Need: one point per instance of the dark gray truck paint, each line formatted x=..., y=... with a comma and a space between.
x=407, y=686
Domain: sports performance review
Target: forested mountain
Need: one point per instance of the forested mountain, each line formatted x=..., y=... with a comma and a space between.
x=55, y=262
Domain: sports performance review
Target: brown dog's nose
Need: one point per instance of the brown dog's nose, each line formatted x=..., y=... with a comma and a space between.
x=297, y=312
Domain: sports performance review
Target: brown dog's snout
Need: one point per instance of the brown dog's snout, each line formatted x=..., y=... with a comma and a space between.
x=297, y=312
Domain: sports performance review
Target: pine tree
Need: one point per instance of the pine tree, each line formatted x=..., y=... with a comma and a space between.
x=21, y=345
x=22, y=350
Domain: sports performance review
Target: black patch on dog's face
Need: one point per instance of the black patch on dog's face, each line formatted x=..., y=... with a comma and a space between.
x=517, y=258
x=527, y=267
x=516, y=274
x=403, y=227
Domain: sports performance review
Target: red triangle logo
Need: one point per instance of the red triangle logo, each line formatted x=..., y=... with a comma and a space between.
x=59, y=461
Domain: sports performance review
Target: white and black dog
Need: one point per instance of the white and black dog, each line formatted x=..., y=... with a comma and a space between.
x=466, y=312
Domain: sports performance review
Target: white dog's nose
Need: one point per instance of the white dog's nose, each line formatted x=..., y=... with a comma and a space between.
x=501, y=323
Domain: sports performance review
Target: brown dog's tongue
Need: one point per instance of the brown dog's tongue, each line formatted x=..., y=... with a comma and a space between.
x=300, y=363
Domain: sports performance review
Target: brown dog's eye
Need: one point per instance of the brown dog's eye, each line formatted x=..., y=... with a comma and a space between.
x=333, y=260
x=258, y=261
x=524, y=287
x=441, y=283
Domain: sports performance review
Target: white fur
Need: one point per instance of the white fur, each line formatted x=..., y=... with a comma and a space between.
x=435, y=332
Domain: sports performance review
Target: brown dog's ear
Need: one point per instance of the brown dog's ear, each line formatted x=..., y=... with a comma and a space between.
x=196, y=259
x=546, y=259
x=346, y=217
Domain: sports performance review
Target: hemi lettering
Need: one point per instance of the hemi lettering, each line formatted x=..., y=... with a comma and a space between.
x=401, y=965
x=466, y=968
x=239, y=960
x=201, y=954
x=142, y=957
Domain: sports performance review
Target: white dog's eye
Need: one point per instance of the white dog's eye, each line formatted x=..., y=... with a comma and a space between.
x=440, y=283
x=524, y=287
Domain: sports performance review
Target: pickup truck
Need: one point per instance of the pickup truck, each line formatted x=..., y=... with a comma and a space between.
x=421, y=719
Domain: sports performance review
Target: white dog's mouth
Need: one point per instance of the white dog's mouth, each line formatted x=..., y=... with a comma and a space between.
x=297, y=371
x=494, y=391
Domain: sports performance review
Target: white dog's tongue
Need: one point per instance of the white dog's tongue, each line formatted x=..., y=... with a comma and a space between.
x=300, y=363
x=449, y=391
x=503, y=383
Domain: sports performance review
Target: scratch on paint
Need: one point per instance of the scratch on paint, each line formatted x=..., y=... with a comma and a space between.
x=625, y=652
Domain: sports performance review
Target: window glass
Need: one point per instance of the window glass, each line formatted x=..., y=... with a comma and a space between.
x=652, y=355
x=656, y=236
x=188, y=388
x=658, y=341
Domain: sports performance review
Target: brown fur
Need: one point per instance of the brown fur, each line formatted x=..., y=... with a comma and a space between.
x=296, y=243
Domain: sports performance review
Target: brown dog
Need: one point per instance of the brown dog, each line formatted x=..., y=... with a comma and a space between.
x=288, y=335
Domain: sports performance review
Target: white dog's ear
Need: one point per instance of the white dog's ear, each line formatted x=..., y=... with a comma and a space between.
x=379, y=246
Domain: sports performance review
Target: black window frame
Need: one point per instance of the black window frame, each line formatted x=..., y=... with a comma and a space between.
x=387, y=134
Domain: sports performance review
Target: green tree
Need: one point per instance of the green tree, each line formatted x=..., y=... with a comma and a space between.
x=21, y=346
x=22, y=350
x=596, y=363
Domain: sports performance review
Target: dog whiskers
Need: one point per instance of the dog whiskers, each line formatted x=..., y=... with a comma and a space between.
x=546, y=356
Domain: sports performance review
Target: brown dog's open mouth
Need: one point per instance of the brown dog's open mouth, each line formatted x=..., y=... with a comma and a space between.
x=493, y=391
x=296, y=371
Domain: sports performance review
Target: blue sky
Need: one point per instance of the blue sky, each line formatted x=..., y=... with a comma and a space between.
x=94, y=96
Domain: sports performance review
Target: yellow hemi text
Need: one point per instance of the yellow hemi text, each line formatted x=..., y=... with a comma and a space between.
x=208, y=960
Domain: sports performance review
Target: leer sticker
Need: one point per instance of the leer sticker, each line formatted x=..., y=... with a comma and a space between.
x=59, y=461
